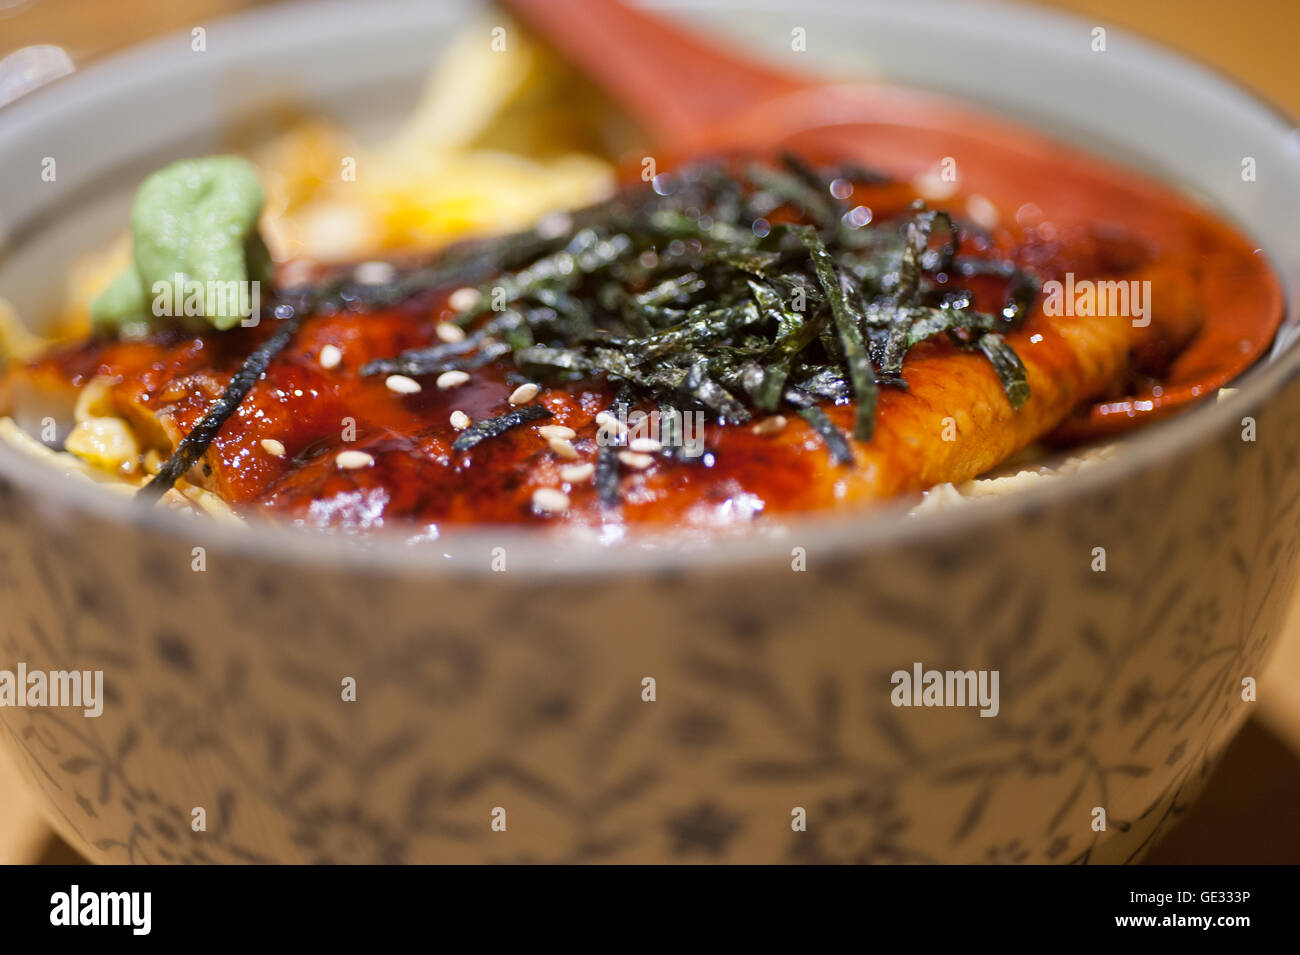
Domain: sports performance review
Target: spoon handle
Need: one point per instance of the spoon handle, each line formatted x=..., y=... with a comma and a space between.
x=677, y=86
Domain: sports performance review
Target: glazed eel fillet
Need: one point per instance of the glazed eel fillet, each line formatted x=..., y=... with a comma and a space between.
x=810, y=338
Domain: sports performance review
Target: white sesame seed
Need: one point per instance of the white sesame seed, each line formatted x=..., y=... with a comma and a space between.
x=549, y=500
x=856, y=217
x=645, y=445
x=982, y=210
x=330, y=356
x=524, y=394
x=449, y=332
x=273, y=447
x=932, y=184
x=459, y=420
x=554, y=225
x=770, y=425
x=351, y=460
x=374, y=273
x=463, y=299
x=549, y=431
x=402, y=385
x=295, y=272
x=564, y=448
x=452, y=379
x=633, y=460
x=577, y=473
x=609, y=424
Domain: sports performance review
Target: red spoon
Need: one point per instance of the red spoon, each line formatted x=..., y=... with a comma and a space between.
x=696, y=98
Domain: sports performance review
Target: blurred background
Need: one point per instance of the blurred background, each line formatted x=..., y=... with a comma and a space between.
x=1256, y=786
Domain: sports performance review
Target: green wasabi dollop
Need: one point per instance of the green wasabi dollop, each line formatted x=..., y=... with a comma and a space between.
x=195, y=246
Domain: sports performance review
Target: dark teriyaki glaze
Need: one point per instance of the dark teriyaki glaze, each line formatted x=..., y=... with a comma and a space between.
x=946, y=407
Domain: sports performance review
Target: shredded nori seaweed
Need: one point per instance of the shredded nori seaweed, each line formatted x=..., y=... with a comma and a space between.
x=836, y=444
x=607, y=463
x=491, y=427
x=194, y=444
x=687, y=297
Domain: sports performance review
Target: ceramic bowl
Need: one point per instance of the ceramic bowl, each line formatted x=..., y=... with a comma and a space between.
x=519, y=695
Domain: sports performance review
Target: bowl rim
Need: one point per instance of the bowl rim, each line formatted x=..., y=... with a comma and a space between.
x=545, y=552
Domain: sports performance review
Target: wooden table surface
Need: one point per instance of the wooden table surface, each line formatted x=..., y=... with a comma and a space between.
x=1259, y=779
